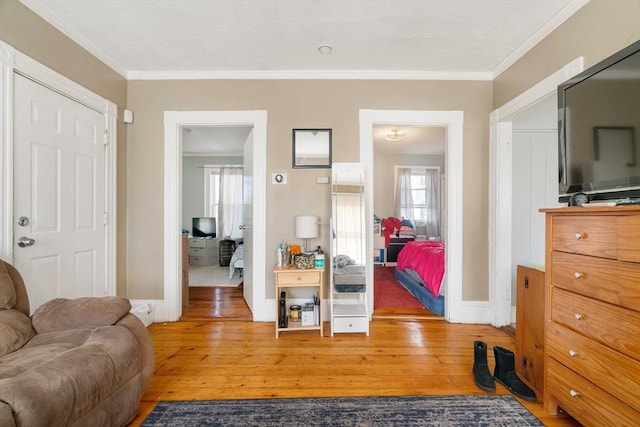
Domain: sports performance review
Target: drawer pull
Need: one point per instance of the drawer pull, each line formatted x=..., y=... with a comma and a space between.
x=574, y=393
x=572, y=353
x=580, y=236
x=578, y=316
x=578, y=275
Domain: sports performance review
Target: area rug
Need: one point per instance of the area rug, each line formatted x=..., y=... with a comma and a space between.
x=403, y=411
x=388, y=293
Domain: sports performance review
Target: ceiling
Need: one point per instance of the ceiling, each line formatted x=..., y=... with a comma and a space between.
x=457, y=39
x=382, y=39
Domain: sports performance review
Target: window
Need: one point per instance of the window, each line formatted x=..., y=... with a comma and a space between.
x=418, y=198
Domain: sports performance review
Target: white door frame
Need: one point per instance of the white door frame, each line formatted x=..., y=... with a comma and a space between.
x=173, y=123
x=500, y=197
x=455, y=309
x=13, y=61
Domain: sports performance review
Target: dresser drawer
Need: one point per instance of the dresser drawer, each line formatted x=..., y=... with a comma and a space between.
x=615, y=282
x=586, y=402
x=299, y=277
x=613, y=326
x=586, y=235
x=350, y=324
x=610, y=370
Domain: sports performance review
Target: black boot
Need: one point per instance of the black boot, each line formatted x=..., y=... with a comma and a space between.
x=481, y=373
x=505, y=374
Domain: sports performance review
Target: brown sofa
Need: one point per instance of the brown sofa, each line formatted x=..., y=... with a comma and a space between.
x=80, y=362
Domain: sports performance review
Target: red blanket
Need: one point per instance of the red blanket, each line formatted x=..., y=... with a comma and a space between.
x=427, y=259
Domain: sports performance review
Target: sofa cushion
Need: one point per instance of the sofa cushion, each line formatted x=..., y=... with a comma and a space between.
x=15, y=330
x=7, y=290
x=62, y=313
x=42, y=348
x=70, y=384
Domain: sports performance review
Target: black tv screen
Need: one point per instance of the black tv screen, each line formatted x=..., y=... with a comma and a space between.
x=599, y=126
x=204, y=227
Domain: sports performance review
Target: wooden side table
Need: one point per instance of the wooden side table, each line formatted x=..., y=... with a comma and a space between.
x=292, y=277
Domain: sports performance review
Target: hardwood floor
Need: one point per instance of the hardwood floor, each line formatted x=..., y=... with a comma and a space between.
x=233, y=359
x=216, y=302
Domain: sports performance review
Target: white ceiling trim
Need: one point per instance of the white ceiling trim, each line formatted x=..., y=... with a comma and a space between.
x=65, y=29
x=536, y=38
x=308, y=75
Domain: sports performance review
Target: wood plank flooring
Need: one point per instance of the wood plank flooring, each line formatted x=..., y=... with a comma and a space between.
x=236, y=359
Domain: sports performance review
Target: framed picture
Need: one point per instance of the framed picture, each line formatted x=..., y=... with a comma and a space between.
x=611, y=142
x=312, y=148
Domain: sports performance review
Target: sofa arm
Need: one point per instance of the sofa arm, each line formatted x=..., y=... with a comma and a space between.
x=147, y=353
x=62, y=313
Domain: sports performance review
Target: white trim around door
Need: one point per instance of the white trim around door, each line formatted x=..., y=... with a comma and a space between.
x=500, y=197
x=171, y=309
x=13, y=62
x=456, y=310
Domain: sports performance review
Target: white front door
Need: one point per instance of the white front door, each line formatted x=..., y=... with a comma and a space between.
x=247, y=221
x=59, y=194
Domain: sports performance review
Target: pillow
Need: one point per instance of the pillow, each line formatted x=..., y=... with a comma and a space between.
x=15, y=330
x=89, y=312
x=7, y=290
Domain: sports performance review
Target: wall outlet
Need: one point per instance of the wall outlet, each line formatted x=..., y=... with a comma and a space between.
x=278, y=178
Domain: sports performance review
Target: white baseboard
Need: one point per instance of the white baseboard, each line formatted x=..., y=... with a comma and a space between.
x=474, y=312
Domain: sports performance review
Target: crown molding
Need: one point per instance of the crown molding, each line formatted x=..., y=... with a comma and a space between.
x=308, y=75
x=52, y=19
x=566, y=12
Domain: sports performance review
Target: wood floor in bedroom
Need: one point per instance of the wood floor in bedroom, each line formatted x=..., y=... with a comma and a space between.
x=232, y=359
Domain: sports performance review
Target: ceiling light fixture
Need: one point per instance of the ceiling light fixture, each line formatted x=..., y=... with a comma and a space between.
x=395, y=135
x=325, y=49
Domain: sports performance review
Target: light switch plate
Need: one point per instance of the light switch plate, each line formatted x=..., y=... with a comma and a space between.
x=278, y=178
x=322, y=180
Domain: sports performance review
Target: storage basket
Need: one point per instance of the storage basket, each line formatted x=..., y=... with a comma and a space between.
x=305, y=261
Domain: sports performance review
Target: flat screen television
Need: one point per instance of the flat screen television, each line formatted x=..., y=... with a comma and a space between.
x=203, y=227
x=599, y=128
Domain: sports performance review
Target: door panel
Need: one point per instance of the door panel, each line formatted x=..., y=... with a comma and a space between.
x=247, y=180
x=59, y=185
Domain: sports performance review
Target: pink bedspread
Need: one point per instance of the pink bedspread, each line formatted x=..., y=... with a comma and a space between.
x=427, y=259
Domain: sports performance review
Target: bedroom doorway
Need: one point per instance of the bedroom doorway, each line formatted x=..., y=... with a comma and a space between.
x=420, y=149
x=212, y=215
x=454, y=308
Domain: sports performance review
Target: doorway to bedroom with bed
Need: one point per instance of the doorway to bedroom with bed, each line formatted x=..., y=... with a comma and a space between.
x=212, y=206
x=409, y=164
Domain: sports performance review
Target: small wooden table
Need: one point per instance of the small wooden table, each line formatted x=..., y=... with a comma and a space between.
x=292, y=277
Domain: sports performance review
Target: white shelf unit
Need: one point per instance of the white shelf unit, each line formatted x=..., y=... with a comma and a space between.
x=348, y=303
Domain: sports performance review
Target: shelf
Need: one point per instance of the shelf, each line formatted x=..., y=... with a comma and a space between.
x=350, y=310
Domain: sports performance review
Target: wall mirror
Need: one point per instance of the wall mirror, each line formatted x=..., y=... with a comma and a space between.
x=312, y=148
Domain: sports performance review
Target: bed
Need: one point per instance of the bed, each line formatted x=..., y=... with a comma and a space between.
x=347, y=275
x=236, y=264
x=420, y=269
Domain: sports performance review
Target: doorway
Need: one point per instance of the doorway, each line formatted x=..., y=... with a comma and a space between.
x=421, y=149
x=255, y=205
x=452, y=121
x=212, y=217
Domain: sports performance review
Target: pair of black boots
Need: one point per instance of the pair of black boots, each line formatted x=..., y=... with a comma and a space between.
x=504, y=372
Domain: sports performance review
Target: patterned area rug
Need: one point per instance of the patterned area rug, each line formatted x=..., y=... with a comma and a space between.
x=346, y=411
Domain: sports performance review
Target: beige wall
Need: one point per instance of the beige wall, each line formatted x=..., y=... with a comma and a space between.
x=599, y=29
x=292, y=104
x=29, y=34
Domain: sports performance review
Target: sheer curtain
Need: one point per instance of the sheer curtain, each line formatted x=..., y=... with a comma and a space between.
x=230, y=209
x=404, y=207
x=432, y=192
x=349, y=220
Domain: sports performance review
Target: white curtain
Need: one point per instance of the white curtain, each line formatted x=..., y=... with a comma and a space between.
x=230, y=210
x=432, y=190
x=404, y=207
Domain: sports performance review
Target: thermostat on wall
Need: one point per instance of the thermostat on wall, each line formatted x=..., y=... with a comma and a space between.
x=278, y=178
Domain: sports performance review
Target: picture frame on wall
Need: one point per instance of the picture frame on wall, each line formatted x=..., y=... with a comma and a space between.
x=311, y=148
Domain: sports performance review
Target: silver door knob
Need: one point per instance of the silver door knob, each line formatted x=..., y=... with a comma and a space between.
x=23, y=221
x=243, y=227
x=23, y=242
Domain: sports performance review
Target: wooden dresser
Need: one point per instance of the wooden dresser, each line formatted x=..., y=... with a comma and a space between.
x=592, y=314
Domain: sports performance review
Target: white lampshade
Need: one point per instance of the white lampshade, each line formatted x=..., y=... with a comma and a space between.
x=306, y=227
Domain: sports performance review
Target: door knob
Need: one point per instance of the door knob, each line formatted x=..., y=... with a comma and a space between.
x=23, y=221
x=23, y=242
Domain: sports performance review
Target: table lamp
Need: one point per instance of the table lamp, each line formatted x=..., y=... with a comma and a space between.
x=306, y=228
